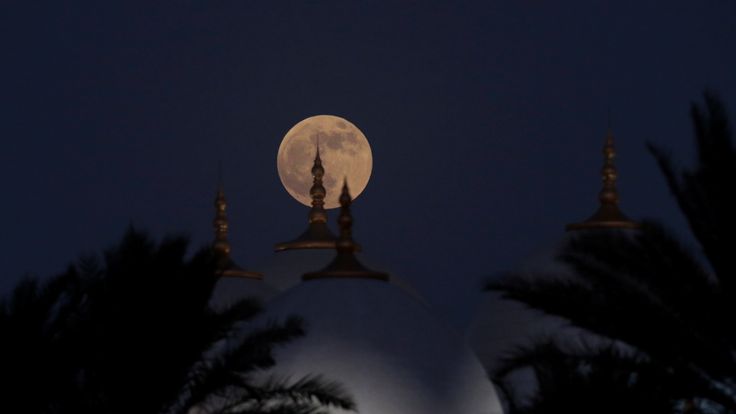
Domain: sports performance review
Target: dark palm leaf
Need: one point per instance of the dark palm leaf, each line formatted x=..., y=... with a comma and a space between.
x=584, y=378
x=36, y=374
x=311, y=394
x=704, y=194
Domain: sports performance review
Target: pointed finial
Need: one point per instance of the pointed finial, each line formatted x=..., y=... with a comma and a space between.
x=608, y=214
x=317, y=235
x=221, y=245
x=317, y=192
x=345, y=242
x=345, y=264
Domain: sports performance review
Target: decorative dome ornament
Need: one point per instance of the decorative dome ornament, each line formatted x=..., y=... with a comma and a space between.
x=345, y=264
x=608, y=215
x=221, y=246
x=317, y=235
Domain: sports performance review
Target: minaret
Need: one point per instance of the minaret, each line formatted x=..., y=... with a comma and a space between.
x=608, y=215
x=317, y=235
x=345, y=264
x=221, y=245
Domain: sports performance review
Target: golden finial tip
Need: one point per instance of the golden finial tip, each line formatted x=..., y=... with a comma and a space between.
x=345, y=197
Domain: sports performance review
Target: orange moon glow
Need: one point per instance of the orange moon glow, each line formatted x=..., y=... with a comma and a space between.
x=344, y=151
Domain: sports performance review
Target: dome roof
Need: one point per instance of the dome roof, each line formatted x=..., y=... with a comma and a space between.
x=386, y=348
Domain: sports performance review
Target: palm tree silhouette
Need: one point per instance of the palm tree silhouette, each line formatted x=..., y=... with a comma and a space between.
x=33, y=354
x=134, y=332
x=655, y=309
x=585, y=378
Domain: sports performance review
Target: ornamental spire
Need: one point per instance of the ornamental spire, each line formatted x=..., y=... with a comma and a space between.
x=221, y=246
x=317, y=235
x=220, y=224
x=317, y=192
x=608, y=214
x=345, y=264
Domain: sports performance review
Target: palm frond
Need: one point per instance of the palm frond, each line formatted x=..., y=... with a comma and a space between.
x=703, y=193
x=579, y=376
x=226, y=366
x=309, y=394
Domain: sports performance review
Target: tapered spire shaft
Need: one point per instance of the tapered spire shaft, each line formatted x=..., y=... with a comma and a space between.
x=220, y=224
x=221, y=246
x=345, y=243
x=608, y=214
x=317, y=192
x=609, y=193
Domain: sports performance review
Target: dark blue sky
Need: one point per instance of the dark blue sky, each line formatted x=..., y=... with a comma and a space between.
x=486, y=121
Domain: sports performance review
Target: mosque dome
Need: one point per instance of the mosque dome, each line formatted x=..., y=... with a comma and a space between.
x=502, y=324
x=370, y=332
x=384, y=346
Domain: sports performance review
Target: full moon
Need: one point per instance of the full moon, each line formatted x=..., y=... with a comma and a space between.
x=344, y=151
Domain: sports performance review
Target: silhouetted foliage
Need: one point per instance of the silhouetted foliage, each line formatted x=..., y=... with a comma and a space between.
x=135, y=333
x=648, y=294
x=36, y=372
x=586, y=378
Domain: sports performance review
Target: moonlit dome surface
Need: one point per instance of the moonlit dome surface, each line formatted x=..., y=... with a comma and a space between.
x=383, y=346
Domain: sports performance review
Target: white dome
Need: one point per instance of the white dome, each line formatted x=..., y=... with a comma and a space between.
x=383, y=346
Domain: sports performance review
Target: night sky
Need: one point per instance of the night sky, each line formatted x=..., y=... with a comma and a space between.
x=486, y=122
